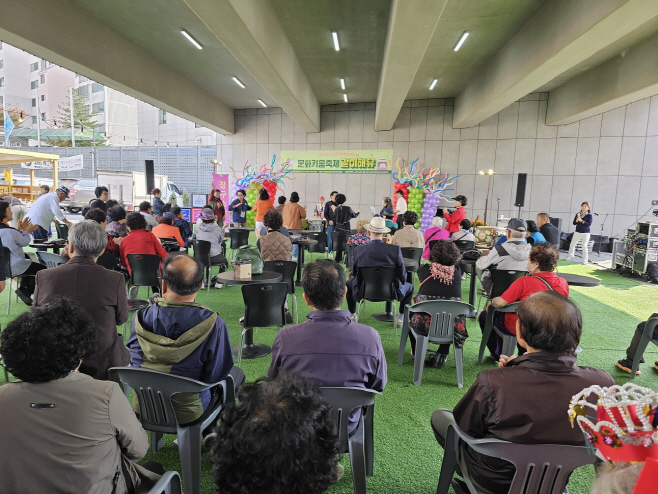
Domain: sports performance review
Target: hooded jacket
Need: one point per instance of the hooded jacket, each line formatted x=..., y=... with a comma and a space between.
x=512, y=254
x=185, y=339
x=213, y=233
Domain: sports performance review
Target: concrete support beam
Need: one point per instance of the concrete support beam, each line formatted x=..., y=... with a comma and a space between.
x=560, y=35
x=630, y=76
x=410, y=28
x=254, y=35
x=62, y=33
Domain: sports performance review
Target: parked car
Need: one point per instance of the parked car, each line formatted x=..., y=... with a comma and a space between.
x=82, y=194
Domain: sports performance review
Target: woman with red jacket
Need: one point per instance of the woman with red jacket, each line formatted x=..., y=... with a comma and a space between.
x=453, y=220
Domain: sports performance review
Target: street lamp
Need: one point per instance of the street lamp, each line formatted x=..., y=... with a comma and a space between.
x=490, y=172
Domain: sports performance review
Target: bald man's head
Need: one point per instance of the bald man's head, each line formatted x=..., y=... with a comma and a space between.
x=182, y=274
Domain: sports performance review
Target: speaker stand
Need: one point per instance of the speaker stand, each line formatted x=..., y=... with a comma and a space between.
x=601, y=237
x=519, y=213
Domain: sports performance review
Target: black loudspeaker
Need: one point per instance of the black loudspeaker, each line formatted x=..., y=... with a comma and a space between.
x=520, y=190
x=557, y=223
x=149, y=170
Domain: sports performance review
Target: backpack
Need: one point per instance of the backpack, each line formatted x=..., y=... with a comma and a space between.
x=251, y=253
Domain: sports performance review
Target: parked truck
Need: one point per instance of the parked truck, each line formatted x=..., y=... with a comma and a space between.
x=130, y=187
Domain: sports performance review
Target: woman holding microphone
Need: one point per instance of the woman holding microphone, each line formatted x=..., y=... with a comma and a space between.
x=453, y=220
x=583, y=221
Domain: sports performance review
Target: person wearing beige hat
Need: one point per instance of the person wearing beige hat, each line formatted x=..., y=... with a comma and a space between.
x=381, y=255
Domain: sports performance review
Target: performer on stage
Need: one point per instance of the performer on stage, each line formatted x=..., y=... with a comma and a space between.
x=583, y=221
x=454, y=220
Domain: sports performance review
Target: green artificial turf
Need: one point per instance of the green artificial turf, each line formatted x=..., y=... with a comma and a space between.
x=407, y=457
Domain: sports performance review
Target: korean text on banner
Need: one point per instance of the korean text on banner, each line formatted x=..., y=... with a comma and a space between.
x=38, y=165
x=71, y=163
x=221, y=181
x=354, y=161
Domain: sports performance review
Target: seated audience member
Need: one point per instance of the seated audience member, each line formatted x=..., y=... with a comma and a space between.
x=180, y=337
x=100, y=217
x=146, y=210
x=208, y=230
x=184, y=228
x=409, y=236
x=279, y=438
x=435, y=232
x=274, y=246
x=541, y=265
x=15, y=240
x=378, y=254
x=80, y=434
x=139, y=240
x=464, y=233
x=99, y=291
x=102, y=195
x=282, y=202
x=117, y=225
x=361, y=236
x=388, y=221
x=387, y=207
x=166, y=229
x=440, y=280
x=524, y=400
x=550, y=232
x=626, y=364
x=511, y=255
x=329, y=346
x=159, y=206
x=111, y=203
x=293, y=214
x=534, y=236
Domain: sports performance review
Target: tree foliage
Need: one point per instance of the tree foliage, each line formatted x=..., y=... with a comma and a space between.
x=83, y=119
x=15, y=112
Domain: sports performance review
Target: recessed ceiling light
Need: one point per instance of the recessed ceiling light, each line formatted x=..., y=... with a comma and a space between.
x=461, y=40
x=192, y=40
x=345, y=97
x=262, y=103
x=334, y=34
x=237, y=81
x=433, y=84
x=342, y=83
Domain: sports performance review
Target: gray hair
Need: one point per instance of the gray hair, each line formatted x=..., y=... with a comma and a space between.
x=437, y=221
x=88, y=238
x=515, y=234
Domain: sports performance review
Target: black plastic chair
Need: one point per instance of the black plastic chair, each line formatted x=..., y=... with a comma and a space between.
x=321, y=246
x=264, y=306
x=62, y=230
x=239, y=237
x=144, y=270
x=169, y=483
x=647, y=336
x=540, y=468
x=441, y=331
x=463, y=245
x=154, y=391
x=287, y=270
x=501, y=279
x=432, y=244
x=202, y=254
x=108, y=260
x=339, y=242
x=414, y=253
x=361, y=445
x=377, y=286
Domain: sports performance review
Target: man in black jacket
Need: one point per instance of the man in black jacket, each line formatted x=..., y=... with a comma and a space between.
x=550, y=233
x=330, y=216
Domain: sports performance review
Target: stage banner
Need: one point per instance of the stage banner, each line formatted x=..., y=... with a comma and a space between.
x=354, y=161
x=222, y=182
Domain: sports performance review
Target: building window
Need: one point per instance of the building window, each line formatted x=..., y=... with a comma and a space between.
x=34, y=102
x=1, y=100
x=34, y=84
x=83, y=78
x=34, y=120
x=163, y=117
x=44, y=65
x=34, y=67
x=43, y=97
x=43, y=116
x=98, y=107
x=2, y=81
x=2, y=64
x=96, y=88
x=43, y=78
x=83, y=90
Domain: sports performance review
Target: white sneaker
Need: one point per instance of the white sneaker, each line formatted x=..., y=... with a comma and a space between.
x=354, y=317
x=569, y=257
x=399, y=320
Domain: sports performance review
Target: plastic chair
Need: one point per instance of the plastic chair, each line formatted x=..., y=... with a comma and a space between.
x=377, y=286
x=540, y=468
x=62, y=230
x=501, y=279
x=144, y=270
x=321, y=246
x=339, y=241
x=647, y=336
x=108, y=260
x=11, y=278
x=263, y=307
x=287, y=270
x=239, y=237
x=509, y=341
x=414, y=253
x=361, y=445
x=169, y=483
x=202, y=254
x=443, y=313
x=154, y=391
x=464, y=245
x=51, y=260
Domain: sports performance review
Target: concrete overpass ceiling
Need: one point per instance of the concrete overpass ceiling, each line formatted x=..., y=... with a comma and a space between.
x=491, y=25
x=155, y=27
x=361, y=27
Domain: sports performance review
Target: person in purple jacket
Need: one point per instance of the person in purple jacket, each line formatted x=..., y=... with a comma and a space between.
x=329, y=347
x=180, y=337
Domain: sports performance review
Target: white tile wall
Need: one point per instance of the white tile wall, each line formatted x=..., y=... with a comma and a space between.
x=610, y=160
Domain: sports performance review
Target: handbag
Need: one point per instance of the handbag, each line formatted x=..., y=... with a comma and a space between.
x=251, y=253
x=471, y=255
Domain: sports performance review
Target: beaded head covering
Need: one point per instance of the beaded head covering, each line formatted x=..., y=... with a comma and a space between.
x=626, y=420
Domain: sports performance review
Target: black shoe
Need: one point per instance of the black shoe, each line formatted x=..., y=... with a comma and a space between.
x=25, y=298
x=439, y=360
x=626, y=365
x=288, y=317
x=459, y=486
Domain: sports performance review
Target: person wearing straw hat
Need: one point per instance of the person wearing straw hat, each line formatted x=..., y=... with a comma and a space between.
x=378, y=254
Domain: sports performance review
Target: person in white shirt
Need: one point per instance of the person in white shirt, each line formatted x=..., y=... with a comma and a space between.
x=45, y=209
x=400, y=207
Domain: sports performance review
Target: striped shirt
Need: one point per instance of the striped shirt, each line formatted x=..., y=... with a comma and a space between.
x=44, y=209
